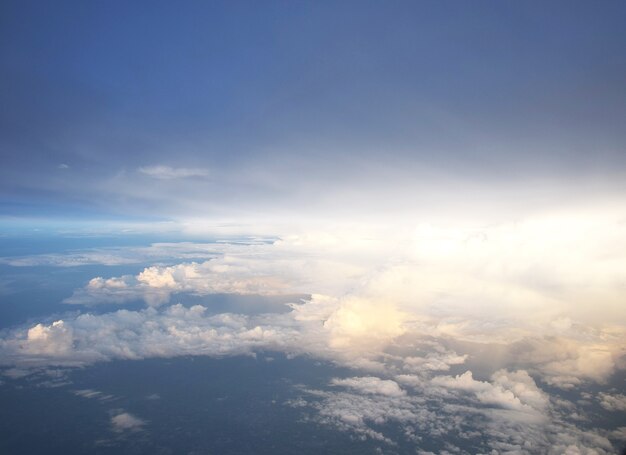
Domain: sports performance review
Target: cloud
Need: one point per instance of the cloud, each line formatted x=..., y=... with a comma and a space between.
x=619, y=434
x=508, y=414
x=156, y=252
x=156, y=284
x=53, y=340
x=126, y=422
x=88, y=393
x=238, y=268
x=116, y=290
x=508, y=390
x=169, y=173
x=363, y=413
x=363, y=302
x=568, y=359
x=360, y=324
x=510, y=409
x=371, y=385
x=417, y=318
x=124, y=334
x=433, y=362
x=612, y=402
x=93, y=394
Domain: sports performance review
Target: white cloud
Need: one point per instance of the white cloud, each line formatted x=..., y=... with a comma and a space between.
x=358, y=323
x=262, y=269
x=126, y=334
x=94, y=394
x=169, y=173
x=363, y=302
x=126, y=422
x=515, y=391
x=54, y=340
x=433, y=361
x=511, y=410
x=371, y=385
x=508, y=414
x=363, y=413
x=501, y=301
x=156, y=284
x=88, y=393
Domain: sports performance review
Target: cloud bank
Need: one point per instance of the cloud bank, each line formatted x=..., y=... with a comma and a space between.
x=446, y=329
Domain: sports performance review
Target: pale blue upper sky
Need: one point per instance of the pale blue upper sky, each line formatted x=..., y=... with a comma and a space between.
x=160, y=109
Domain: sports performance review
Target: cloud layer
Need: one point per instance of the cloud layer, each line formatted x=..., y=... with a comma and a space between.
x=443, y=327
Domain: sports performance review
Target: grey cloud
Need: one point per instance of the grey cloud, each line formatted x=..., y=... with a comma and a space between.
x=613, y=402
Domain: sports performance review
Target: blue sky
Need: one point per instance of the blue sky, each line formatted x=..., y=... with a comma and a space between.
x=232, y=109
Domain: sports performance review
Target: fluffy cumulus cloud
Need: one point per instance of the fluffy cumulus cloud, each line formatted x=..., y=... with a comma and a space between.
x=156, y=284
x=515, y=391
x=245, y=269
x=54, y=340
x=123, y=334
x=452, y=334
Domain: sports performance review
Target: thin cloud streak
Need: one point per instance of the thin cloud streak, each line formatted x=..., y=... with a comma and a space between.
x=170, y=173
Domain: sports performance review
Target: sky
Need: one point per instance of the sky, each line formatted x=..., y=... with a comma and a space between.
x=237, y=110
x=423, y=203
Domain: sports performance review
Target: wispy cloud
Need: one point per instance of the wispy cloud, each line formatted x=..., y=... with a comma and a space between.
x=94, y=394
x=169, y=173
x=156, y=252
